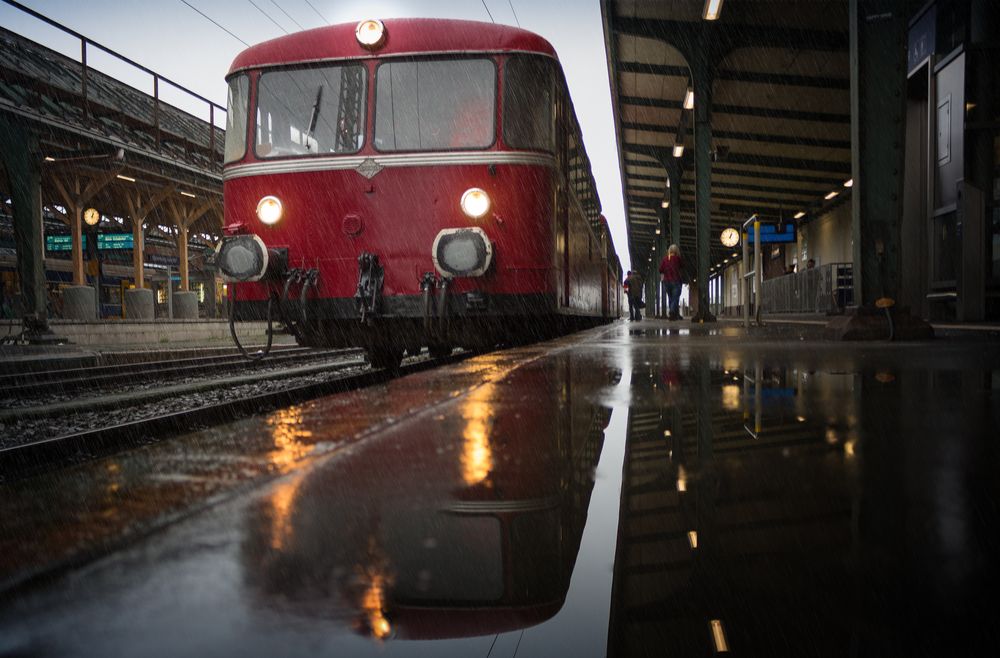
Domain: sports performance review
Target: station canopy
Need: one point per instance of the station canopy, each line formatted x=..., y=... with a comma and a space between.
x=780, y=111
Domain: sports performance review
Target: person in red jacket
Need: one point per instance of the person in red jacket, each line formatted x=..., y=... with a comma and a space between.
x=672, y=274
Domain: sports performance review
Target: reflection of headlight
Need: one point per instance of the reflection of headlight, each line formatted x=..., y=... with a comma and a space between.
x=475, y=203
x=462, y=252
x=269, y=210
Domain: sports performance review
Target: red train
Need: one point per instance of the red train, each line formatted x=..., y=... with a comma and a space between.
x=411, y=183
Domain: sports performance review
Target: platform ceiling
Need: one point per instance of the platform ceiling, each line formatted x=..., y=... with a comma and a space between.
x=780, y=112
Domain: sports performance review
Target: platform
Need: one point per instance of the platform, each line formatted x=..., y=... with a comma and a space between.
x=636, y=489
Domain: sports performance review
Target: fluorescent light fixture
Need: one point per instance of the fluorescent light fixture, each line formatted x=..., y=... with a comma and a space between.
x=664, y=204
x=678, y=150
x=719, y=636
x=800, y=214
x=128, y=178
x=712, y=10
x=693, y=539
x=188, y=194
x=49, y=158
x=849, y=182
x=830, y=195
x=689, y=99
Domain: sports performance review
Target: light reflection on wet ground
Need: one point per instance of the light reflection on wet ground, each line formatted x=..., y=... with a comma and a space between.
x=787, y=495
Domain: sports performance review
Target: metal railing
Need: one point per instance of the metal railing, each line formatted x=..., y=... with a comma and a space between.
x=85, y=72
x=757, y=273
x=824, y=289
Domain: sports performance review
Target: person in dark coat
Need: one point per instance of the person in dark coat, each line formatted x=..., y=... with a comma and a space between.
x=672, y=273
x=633, y=290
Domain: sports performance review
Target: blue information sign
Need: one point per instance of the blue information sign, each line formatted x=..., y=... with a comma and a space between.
x=105, y=241
x=769, y=233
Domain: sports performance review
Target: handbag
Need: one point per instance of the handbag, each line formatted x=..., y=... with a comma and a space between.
x=640, y=303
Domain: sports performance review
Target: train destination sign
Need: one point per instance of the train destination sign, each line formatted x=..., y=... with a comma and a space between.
x=105, y=241
x=769, y=233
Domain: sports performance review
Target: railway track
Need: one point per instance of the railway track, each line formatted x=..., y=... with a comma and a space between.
x=43, y=454
x=71, y=380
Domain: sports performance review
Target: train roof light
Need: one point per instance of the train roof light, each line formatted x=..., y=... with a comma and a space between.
x=370, y=33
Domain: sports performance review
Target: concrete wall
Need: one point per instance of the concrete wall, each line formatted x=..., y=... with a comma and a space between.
x=142, y=333
x=826, y=238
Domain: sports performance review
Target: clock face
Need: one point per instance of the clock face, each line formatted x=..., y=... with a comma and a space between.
x=91, y=216
x=730, y=237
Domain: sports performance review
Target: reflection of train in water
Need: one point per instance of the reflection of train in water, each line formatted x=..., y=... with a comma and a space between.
x=460, y=525
x=417, y=182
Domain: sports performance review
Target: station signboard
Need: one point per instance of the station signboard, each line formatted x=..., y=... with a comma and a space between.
x=105, y=241
x=773, y=234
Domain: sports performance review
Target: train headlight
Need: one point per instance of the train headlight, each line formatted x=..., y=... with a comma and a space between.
x=242, y=258
x=475, y=203
x=370, y=34
x=269, y=210
x=462, y=252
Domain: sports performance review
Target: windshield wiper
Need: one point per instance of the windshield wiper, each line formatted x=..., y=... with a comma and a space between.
x=314, y=115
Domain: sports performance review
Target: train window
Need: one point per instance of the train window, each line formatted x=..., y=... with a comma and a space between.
x=435, y=105
x=311, y=111
x=236, y=118
x=528, y=104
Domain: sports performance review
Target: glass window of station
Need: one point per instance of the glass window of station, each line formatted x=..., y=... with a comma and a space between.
x=434, y=105
x=314, y=111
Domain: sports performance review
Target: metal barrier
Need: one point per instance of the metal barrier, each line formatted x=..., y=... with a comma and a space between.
x=823, y=289
x=757, y=273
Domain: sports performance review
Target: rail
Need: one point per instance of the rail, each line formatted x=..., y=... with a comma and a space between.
x=757, y=273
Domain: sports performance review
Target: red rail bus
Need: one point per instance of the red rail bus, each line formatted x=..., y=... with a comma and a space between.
x=411, y=183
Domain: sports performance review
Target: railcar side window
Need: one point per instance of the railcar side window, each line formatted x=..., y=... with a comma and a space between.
x=236, y=118
x=527, y=111
x=311, y=111
x=435, y=105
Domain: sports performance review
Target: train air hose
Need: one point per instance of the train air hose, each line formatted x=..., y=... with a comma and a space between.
x=259, y=354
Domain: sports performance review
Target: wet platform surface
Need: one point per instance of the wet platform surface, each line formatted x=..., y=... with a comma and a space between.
x=638, y=489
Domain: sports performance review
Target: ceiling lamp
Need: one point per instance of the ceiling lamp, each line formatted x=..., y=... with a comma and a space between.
x=712, y=10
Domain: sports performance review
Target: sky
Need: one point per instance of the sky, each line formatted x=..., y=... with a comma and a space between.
x=171, y=38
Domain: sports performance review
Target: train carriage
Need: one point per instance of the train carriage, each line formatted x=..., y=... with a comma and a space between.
x=411, y=183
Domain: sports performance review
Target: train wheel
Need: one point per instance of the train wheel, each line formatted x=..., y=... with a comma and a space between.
x=385, y=357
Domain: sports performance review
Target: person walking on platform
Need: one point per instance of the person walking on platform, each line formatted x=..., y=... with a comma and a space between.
x=672, y=273
x=633, y=290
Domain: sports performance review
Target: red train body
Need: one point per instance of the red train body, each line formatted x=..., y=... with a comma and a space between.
x=430, y=188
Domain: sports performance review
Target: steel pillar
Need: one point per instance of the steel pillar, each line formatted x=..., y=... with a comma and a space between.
x=22, y=161
x=702, y=72
x=878, y=104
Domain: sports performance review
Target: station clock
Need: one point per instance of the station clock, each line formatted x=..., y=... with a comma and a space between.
x=730, y=237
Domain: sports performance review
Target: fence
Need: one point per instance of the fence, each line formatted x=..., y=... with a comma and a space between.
x=823, y=289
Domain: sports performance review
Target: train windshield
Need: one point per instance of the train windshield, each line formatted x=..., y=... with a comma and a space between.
x=313, y=111
x=435, y=105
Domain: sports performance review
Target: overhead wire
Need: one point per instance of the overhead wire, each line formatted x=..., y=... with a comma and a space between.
x=317, y=12
x=214, y=22
x=514, y=12
x=282, y=10
x=268, y=16
x=488, y=11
